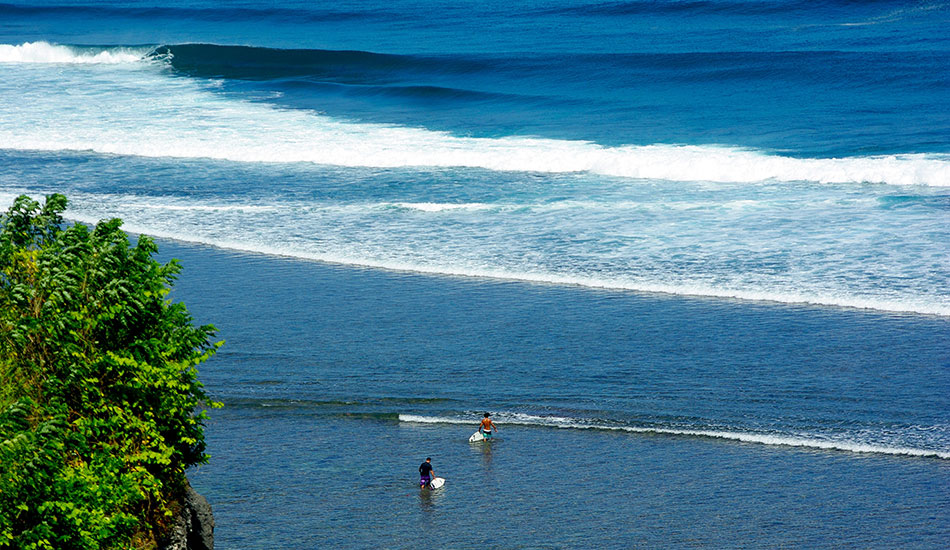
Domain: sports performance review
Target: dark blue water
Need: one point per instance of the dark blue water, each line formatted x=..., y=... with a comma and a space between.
x=691, y=254
x=321, y=363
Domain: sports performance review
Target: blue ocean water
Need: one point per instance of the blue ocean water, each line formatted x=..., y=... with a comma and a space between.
x=693, y=254
x=625, y=420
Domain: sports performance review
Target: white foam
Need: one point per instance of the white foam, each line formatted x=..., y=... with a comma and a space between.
x=201, y=207
x=140, y=109
x=151, y=114
x=354, y=145
x=922, y=305
x=44, y=52
x=441, y=207
x=745, y=437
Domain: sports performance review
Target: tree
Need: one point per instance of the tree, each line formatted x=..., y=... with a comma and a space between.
x=101, y=410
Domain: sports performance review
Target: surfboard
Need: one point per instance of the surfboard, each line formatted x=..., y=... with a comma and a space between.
x=476, y=437
x=437, y=482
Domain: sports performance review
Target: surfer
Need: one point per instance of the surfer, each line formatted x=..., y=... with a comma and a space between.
x=487, y=427
x=426, y=473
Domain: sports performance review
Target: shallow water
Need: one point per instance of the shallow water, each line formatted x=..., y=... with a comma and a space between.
x=323, y=368
x=311, y=481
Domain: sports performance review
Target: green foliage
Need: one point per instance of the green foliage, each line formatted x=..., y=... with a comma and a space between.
x=101, y=409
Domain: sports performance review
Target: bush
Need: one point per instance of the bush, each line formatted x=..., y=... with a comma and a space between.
x=101, y=409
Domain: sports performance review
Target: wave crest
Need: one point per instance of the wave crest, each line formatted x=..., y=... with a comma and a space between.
x=44, y=52
x=189, y=120
x=744, y=437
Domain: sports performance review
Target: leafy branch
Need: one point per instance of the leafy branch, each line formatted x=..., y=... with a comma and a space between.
x=101, y=409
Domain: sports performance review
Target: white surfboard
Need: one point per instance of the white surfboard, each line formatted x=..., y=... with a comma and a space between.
x=476, y=437
x=437, y=482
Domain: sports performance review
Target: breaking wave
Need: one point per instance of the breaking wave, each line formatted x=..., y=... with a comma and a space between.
x=44, y=52
x=744, y=437
x=150, y=113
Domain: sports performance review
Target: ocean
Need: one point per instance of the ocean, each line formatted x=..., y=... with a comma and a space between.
x=693, y=256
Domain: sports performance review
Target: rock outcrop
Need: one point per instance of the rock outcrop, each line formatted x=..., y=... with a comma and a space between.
x=194, y=526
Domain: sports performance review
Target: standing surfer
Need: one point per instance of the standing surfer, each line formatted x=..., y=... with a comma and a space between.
x=487, y=428
x=426, y=473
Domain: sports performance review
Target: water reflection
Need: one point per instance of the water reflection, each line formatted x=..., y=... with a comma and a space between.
x=428, y=499
x=484, y=448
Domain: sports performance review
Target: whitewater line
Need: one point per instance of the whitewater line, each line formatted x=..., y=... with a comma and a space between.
x=46, y=53
x=671, y=289
x=144, y=111
x=351, y=145
x=786, y=441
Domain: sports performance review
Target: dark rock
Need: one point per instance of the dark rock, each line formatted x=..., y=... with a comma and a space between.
x=193, y=528
x=201, y=535
x=178, y=534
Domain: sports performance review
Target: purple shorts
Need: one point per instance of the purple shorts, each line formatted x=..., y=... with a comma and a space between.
x=423, y=481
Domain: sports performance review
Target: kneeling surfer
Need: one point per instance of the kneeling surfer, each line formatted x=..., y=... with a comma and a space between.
x=487, y=427
x=426, y=473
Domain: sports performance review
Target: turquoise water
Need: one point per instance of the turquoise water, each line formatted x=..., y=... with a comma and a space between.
x=692, y=255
